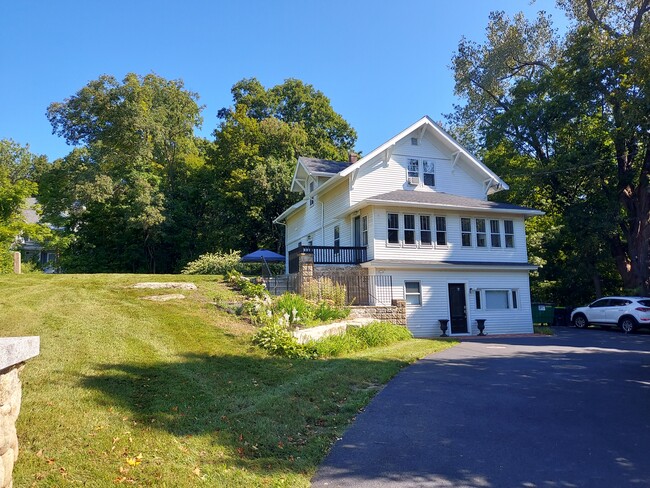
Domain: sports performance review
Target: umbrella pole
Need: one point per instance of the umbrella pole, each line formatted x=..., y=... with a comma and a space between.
x=267, y=266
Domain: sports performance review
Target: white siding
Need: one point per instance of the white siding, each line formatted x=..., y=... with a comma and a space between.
x=453, y=251
x=423, y=320
x=378, y=176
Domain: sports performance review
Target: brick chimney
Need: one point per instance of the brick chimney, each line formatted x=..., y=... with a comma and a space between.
x=352, y=157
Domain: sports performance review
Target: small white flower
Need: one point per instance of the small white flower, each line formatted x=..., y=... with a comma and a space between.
x=268, y=313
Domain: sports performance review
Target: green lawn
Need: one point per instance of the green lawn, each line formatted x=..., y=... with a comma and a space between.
x=172, y=394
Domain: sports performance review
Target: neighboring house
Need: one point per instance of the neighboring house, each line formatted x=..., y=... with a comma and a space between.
x=416, y=209
x=33, y=250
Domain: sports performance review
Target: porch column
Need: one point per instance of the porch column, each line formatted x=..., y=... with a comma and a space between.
x=305, y=270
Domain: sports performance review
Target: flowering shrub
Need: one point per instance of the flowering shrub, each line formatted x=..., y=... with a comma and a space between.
x=278, y=341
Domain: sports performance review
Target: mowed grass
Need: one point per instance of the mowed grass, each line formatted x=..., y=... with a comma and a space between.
x=128, y=391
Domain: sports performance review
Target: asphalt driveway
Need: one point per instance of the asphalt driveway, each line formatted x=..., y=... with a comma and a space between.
x=571, y=410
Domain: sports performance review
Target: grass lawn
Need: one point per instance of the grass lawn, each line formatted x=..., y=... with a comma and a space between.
x=129, y=391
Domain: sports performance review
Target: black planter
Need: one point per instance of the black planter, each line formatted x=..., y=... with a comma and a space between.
x=443, y=327
x=480, y=324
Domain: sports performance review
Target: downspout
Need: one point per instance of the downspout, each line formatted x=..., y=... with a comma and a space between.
x=286, y=251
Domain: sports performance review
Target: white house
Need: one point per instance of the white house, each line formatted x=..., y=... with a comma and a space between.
x=416, y=209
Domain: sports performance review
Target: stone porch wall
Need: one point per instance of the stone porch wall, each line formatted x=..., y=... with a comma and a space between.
x=14, y=351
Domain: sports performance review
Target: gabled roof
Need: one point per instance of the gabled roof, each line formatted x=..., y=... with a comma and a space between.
x=323, y=166
x=445, y=200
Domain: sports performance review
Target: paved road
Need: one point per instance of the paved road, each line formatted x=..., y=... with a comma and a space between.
x=571, y=410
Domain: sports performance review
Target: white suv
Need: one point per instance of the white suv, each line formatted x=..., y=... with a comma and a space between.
x=628, y=313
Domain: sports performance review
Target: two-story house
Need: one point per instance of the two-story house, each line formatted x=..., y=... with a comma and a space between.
x=416, y=208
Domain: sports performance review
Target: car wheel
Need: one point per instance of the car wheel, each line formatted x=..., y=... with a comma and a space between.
x=628, y=324
x=580, y=321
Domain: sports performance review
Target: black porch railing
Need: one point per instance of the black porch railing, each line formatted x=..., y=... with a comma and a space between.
x=328, y=255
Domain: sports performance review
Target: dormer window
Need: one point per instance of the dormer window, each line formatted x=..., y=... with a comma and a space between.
x=311, y=190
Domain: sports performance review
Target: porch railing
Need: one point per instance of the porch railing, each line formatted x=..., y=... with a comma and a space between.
x=329, y=255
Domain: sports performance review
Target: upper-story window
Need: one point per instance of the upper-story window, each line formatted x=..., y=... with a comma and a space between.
x=414, y=171
x=311, y=192
x=428, y=173
x=441, y=231
x=409, y=229
x=509, y=232
x=364, y=230
x=466, y=232
x=425, y=230
x=393, y=228
x=481, y=238
x=495, y=234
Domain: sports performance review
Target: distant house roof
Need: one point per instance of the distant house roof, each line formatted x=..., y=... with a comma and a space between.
x=29, y=213
x=314, y=165
x=443, y=200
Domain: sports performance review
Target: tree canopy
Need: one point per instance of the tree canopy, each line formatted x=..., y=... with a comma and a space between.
x=565, y=121
x=140, y=192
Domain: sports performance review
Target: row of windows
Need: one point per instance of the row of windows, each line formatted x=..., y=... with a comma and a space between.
x=474, y=232
x=424, y=228
x=495, y=299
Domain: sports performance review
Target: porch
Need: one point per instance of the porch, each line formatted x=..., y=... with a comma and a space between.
x=328, y=255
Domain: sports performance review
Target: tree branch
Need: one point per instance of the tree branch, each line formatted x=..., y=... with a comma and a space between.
x=645, y=7
x=594, y=18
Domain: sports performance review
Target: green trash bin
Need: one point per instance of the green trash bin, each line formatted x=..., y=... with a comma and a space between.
x=543, y=313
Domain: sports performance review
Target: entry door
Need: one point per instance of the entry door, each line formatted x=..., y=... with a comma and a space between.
x=457, y=308
x=357, y=231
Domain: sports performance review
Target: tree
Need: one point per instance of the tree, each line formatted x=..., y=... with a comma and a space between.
x=254, y=155
x=566, y=120
x=121, y=191
x=18, y=167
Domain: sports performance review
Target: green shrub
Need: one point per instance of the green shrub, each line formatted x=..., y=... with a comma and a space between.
x=6, y=261
x=252, y=290
x=213, y=263
x=278, y=341
x=334, y=345
x=326, y=312
x=294, y=308
x=380, y=333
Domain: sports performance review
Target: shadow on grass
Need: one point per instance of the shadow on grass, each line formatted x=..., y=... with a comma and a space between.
x=269, y=413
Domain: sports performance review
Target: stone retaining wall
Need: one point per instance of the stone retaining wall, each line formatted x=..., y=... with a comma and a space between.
x=395, y=314
x=14, y=351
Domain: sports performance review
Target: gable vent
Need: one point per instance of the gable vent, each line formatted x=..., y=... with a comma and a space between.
x=414, y=141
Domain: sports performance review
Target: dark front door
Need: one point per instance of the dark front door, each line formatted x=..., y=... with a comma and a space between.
x=357, y=238
x=457, y=308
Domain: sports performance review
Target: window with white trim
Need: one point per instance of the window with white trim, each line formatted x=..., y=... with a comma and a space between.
x=409, y=229
x=497, y=299
x=481, y=237
x=428, y=174
x=466, y=232
x=495, y=234
x=413, y=168
x=509, y=233
x=441, y=231
x=425, y=230
x=364, y=230
x=412, y=293
x=393, y=228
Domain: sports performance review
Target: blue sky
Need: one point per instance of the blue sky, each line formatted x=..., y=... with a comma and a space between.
x=382, y=64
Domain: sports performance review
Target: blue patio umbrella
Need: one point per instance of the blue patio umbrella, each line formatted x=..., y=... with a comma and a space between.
x=261, y=256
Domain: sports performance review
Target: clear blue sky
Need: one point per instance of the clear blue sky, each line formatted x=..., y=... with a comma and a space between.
x=382, y=64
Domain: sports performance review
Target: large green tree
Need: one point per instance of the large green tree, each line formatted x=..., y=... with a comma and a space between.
x=124, y=194
x=254, y=155
x=566, y=121
x=18, y=173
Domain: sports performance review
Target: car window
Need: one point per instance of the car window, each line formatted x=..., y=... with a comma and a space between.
x=645, y=303
x=603, y=302
x=618, y=302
